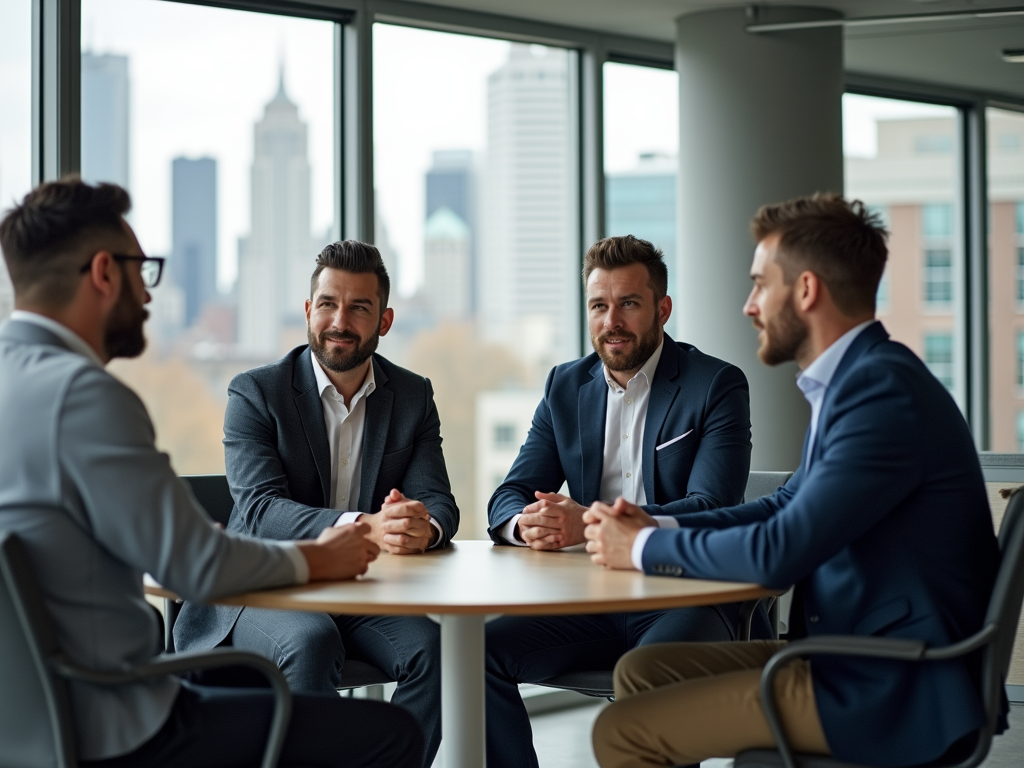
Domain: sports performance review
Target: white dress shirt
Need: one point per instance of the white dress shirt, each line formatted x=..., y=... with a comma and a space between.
x=813, y=382
x=345, y=427
x=625, y=416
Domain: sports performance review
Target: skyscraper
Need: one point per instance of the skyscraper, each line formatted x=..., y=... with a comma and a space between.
x=193, y=263
x=451, y=184
x=528, y=264
x=446, y=256
x=105, y=134
x=276, y=260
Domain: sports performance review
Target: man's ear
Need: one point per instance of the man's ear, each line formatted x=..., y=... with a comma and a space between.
x=386, y=321
x=807, y=291
x=104, y=276
x=664, y=309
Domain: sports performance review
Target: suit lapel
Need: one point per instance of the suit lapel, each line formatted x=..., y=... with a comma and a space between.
x=664, y=390
x=375, y=434
x=593, y=407
x=311, y=414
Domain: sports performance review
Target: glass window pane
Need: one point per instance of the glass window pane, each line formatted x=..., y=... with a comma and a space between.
x=640, y=159
x=1006, y=279
x=220, y=124
x=15, y=117
x=477, y=218
x=901, y=160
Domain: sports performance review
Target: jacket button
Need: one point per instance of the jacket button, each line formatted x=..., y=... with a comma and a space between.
x=813, y=619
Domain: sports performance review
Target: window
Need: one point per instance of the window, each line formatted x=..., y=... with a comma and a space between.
x=1020, y=431
x=901, y=159
x=1020, y=358
x=221, y=125
x=485, y=187
x=1020, y=275
x=15, y=117
x=505, y=436
x=938, y=356
x=640, y=160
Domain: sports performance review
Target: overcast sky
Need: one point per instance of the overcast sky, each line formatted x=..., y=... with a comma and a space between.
x=200, y=76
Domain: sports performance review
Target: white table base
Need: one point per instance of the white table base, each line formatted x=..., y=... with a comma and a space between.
x=462, y=691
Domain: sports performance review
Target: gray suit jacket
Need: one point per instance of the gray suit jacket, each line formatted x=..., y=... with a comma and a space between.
x=97, y=505
x=278, y=463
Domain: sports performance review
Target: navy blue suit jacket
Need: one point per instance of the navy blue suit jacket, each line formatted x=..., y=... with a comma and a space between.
x=888, y=533
x=279, y=463
x=691, y=392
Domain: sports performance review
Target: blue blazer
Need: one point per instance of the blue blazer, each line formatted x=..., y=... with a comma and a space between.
x=691, y=392
x=278, y=463
x=886, y=531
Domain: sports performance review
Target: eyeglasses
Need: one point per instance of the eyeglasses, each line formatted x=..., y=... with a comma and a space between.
x=152, y=267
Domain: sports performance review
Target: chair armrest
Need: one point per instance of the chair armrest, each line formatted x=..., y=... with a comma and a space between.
x=169, y=664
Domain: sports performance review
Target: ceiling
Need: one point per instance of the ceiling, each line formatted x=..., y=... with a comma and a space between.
x=963, y=53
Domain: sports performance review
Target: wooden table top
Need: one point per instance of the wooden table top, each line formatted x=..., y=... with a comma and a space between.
x=478, y=577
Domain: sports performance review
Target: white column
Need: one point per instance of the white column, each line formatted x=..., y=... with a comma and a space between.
x=462, y=691
x=760, y=121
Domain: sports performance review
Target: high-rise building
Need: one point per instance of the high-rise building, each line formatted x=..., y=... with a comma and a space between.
x=446, y=257
x=529, y=273
x=451, y=184
x=105, y=132
x=277, y=258
x=193, y=263
x=642, y=202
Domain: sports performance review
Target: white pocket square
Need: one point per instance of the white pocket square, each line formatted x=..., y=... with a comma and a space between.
x=673, y=440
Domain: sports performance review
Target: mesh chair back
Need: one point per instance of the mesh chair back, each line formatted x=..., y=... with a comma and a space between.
x=213, y=493
x=36, y=728
x=764, y=484
x=1005, y=605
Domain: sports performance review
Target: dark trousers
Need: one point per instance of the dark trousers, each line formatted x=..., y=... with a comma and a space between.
x=527, y=649
x=227, y=728
x=311, y=648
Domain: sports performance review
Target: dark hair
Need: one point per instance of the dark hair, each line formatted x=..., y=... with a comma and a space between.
x=841, y=242
x=46, y=237
x=615, y=252
x=359, y=258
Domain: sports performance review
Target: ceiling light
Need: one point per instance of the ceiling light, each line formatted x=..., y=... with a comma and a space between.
x=1013, y=55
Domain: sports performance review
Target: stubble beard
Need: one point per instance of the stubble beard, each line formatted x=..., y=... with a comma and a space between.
x=123, y=335
x=784, y=335
x=643, y=348
x=337, y=360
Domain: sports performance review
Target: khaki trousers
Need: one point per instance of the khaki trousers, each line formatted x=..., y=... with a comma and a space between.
x=680, y=703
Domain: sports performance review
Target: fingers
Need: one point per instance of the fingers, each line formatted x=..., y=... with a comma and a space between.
x=405, y=508
x=412, y=526
x=400, y=541
x=540, y=520
x=361, y=529
x=553, y=498
x=546, y=543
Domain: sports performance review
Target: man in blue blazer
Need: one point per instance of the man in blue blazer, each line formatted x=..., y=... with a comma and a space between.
x=885, y=530
x=328, y=435
x=644, y=417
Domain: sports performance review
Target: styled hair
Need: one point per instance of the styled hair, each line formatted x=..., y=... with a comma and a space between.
x=842, y=242
x=46, y=237
x=615, y=252
x=359, y=258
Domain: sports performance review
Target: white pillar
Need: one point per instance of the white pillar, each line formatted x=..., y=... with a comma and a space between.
x=462, y=691
x=760, y=121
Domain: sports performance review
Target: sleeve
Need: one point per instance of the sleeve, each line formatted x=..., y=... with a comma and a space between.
x=537, y=467
x=868, y=466
x=140, y=511
x=255, y=471
x=426, y=476
x=718, y=476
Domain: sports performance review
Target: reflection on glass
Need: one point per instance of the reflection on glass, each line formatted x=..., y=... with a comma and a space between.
x=1006, y=279
x=15, y=117
x=901, y=160
x=220, y=124
x=641, y=148
x=476, y=181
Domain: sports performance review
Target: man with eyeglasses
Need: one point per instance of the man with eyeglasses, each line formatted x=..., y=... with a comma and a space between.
x=96, y=505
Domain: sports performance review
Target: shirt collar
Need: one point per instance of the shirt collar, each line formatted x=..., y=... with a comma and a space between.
x=73, y=341
x=322, y=382
x=647, y=369
x=819, y=373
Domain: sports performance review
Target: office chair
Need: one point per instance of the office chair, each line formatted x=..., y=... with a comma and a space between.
x=994, y=641
x=36, y=725
x=213, y=493
x=598, y=683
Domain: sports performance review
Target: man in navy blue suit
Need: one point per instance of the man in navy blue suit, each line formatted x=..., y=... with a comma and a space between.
x=645, y=418
x=885, y=530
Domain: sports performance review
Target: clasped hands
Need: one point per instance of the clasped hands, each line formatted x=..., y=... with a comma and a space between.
x=402, y=527
x=555, y=521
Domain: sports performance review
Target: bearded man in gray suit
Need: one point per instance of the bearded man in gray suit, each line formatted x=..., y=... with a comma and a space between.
x=96, y=505
x=332, y=434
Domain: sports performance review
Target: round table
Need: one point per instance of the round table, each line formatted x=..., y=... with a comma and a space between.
x=464, y=583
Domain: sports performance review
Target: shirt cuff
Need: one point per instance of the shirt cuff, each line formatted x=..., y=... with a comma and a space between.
x=637, y=553
x=347, y=517
x=665, y=521
x=298, y=560
x=508, y=532
x=440, y=533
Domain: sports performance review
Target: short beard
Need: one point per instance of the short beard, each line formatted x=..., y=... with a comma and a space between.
x=784, y=335
x=336, y=360
x=124, y=335
x=629, y=361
